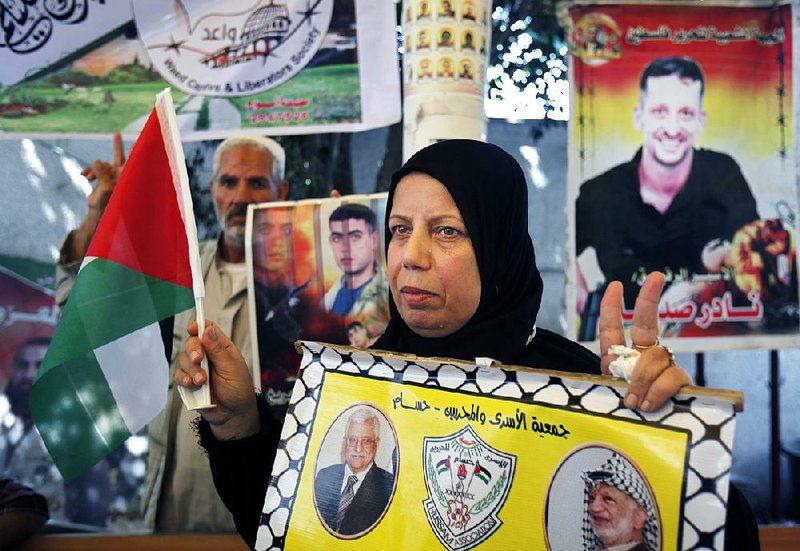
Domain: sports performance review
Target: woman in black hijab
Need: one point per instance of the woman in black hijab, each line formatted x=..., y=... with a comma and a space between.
x=464, y=284
x=489, y=190
x=488, y=203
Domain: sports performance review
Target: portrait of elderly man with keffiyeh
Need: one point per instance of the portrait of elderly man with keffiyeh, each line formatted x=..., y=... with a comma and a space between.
x=619, y=513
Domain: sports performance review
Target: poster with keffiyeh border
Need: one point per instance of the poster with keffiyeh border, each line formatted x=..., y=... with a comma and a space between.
x=389, y=451
x=682, y=159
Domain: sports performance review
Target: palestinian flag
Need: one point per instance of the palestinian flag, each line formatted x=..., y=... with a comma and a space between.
x=443, y=466
x=482, y=472
x=105, y=375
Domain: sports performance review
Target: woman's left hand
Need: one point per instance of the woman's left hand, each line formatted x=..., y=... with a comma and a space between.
x=655, y=378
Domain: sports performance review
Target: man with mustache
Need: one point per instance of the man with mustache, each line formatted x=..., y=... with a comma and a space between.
x=179, y=495
x=353, y=495
x=672, y=208
x=619, y=510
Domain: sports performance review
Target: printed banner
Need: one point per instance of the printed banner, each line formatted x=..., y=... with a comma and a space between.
x=682, y=160
x=449, y=455
x=40, y=33
x=316, y=270
x=245, y=48
x=290, y=67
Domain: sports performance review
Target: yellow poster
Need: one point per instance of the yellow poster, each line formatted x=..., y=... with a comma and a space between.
x=471, y=469
x=391, y=452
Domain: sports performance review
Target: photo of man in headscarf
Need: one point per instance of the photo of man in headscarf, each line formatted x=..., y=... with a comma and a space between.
x=619, y=511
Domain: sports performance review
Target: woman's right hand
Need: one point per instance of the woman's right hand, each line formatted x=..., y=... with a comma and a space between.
x=656, y=377
x=235, y=414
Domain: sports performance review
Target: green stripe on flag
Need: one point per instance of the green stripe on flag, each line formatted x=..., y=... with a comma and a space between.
x=76, y=415
x=108, y=301
x=71, y=401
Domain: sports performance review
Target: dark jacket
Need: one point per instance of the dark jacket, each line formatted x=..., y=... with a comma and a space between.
x=369, y=502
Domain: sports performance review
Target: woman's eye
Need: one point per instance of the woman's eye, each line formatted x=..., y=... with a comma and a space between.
x=448, y=231
x=399, y=230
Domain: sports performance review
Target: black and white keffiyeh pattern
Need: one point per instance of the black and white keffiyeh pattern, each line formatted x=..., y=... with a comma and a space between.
x=619, y=473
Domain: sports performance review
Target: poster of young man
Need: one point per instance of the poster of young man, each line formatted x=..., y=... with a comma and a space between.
x=316, y=270
x=681, y=160
x=459, y=456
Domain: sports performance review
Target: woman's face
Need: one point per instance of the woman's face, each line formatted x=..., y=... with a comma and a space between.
x=433, y=273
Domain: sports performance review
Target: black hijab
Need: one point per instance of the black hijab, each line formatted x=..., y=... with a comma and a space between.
x=489, y=189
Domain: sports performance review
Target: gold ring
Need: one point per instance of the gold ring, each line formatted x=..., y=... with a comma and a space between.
x=641, y=347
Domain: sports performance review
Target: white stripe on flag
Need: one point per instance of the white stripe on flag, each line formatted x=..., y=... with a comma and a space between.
x=137, y=372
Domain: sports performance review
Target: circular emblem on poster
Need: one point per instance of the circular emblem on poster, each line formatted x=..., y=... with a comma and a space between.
x=235, y=48
x=596, y=39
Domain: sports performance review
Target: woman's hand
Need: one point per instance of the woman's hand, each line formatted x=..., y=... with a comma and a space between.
x=235, y=414
x=656, y=378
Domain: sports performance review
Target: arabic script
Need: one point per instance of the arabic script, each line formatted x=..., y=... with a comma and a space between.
x=28, y=24
x=706, y=33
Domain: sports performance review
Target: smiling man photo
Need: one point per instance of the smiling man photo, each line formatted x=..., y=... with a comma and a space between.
x=674, y=207
x=619, y=512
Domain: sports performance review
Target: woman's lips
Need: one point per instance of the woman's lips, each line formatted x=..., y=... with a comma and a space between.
x=415, y=296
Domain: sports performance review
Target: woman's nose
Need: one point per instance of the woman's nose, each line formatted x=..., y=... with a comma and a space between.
x=417, y=253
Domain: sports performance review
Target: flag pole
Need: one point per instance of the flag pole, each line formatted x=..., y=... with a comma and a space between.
x=199, y=398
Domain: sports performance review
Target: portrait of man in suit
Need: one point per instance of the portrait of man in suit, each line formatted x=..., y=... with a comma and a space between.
x=352, y=496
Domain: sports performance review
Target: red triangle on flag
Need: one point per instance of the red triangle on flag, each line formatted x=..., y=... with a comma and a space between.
x=142, y=227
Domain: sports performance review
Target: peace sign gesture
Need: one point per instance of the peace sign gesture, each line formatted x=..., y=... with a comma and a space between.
x=656, y=377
